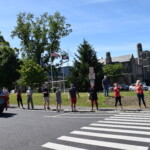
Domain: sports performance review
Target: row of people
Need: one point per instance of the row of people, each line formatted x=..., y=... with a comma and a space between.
x=73, y=93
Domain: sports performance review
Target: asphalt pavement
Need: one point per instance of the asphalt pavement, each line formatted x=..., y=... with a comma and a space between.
x=100, y=130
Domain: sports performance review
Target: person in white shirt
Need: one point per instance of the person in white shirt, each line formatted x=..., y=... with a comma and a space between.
x=29, y=98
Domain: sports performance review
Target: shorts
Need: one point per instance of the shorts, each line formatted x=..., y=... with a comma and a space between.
x=46, y=99
x=73, y=100
x=58, y=101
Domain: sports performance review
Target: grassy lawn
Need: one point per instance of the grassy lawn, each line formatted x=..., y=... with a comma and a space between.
x=128, y=99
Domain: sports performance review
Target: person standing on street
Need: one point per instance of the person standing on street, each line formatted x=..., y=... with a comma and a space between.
x=73, y=97
x=93, y=96
x=105, y=85
x=29, y=93
x=46, y=97
x=58, y=99
x=117, y=95
x=19, y=99
x=140, y=93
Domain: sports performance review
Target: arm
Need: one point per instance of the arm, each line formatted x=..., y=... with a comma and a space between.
x=69, y=95
x=137, y=87
x=78, y=94
x=103, y=83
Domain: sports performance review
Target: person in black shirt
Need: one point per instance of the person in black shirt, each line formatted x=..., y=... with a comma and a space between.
x=46, y=97
x=73, y=97
x=93, y=96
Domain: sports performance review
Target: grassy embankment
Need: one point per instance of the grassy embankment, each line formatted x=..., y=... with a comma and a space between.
x=129, y=99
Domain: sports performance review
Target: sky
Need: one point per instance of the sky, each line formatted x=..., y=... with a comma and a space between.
x=114, y=26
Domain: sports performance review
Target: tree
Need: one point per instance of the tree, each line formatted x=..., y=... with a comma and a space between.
x=9, y=63
x=113, y=69
x=40, y=36
x=32, y=74
x=85, y=58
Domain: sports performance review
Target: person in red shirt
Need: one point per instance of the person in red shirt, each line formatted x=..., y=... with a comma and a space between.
x=117, y=95
x=140, y=93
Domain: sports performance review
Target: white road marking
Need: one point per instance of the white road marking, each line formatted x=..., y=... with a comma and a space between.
x=66, y=117
x=128, y=113
x=113, y=136
x=120, y=126
x=60, y=147
x=138, y=118
x=102, y=144
x=94, y=114
x=128, y=123
x=116, y=130
x=129, y=120
x=139, y=115
x=58, y=115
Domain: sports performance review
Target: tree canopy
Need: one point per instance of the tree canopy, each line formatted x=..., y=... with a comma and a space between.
x=9, y=63
x=113, y=69
x=41, y=35
x=32, y=74
x=85, y=58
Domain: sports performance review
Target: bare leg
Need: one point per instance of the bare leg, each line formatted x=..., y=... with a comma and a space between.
x=72, y=106
x=96, y=103
x=92, y=104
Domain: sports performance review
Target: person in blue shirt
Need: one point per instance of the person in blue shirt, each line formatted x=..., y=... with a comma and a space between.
x=105, y=85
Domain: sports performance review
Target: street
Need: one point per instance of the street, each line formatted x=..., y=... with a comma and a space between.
x=102, y=130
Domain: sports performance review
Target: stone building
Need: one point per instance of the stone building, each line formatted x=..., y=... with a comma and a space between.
x=135, y=68
x=144, y=60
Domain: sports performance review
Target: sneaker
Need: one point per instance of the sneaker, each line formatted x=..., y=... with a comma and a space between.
x=48, y=108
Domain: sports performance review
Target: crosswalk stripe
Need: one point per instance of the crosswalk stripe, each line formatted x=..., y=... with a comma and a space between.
x=128, y=123
x=133, y=115
x=127, y=120
x=102, y=144
x=136, y=118
x=88, y=114
x=116, y=130
x=113, y=136
x=144, y=113
x=60, y=146
x=120, y=126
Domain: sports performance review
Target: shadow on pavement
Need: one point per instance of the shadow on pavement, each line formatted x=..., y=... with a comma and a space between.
x=7, y=115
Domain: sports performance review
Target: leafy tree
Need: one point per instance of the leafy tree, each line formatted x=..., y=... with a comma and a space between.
x=41, y=35
x=32, y=74
x=85, y=58
x=113, y=69
x=9, y=63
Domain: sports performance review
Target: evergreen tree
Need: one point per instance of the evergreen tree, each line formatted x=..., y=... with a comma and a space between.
x=85, y=58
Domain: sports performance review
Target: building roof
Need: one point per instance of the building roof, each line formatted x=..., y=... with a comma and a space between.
x=124, y=58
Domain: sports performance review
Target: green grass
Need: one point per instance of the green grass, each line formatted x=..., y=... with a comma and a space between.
x=82, y=101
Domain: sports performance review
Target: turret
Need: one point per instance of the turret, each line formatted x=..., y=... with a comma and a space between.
x=139, y=50
x=108, y=58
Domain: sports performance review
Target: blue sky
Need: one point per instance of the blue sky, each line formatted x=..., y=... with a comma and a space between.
x=108, y=25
